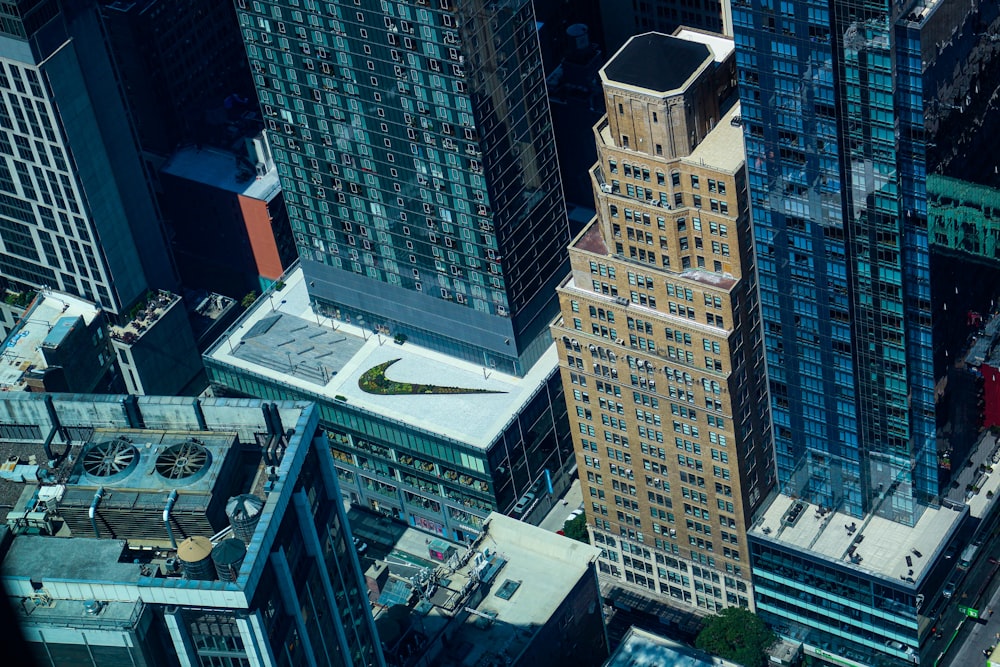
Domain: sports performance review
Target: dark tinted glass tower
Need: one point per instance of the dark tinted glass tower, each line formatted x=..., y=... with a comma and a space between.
x=182, y=64
x=621, y=20
x=833, y=115
x=77, y=211
x=416, y=153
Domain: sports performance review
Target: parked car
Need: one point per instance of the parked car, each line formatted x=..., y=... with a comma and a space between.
x=523, y=503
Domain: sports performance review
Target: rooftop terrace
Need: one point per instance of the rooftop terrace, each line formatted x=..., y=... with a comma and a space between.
x=542, y=567
x=282, y=339
x=222, y=170
x=874, y=544
x=145, y=317
x=722, y=148
x=45, y=323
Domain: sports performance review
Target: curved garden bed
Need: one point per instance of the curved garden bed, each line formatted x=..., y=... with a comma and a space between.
x=374, y=381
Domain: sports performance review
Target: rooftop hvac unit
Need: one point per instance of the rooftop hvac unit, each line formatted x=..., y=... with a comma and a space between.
x=186, y=461
x=110, y=460
x=137, y=471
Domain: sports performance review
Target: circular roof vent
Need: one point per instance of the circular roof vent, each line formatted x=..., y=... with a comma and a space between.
x=183, y=461
x=111, y=459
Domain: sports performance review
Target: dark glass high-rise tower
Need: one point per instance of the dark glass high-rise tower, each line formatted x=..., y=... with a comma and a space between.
x=416, y=153
x=77, y=211
x=848, y=105
x=833, y=112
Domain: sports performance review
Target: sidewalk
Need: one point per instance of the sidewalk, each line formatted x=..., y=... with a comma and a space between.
x=556, y=517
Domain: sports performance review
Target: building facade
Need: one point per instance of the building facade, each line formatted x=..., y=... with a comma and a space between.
x=843, y=260
x=518, y=595
x=156, y=350
x=963, y=218
x=59, y=344
x=416, y=154
x=96, y=581
x=657, y=339
x=78, y=215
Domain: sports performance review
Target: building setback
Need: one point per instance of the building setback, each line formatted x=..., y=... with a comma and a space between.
x=659, y=350
x=158, y=531
x=417, y=158
x=416, y=434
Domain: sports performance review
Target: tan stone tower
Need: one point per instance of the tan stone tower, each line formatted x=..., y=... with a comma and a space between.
x=659, y=337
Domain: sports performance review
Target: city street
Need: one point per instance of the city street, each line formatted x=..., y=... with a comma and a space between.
x=973, y=635
x=962, y=639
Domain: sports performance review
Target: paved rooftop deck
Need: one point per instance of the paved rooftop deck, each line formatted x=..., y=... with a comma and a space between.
x=281, y=338
x=723, y=147
x=47, y=322
x=221, y=169
x=883, y=546
x=545, y=567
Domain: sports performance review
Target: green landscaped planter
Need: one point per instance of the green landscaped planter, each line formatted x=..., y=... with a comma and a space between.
x=374, y=381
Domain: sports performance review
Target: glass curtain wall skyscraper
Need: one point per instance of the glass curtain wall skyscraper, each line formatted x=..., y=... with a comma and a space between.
x=416, y=153
x=833, y=120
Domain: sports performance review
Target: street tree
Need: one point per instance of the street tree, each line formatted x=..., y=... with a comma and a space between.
x=737, y=634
